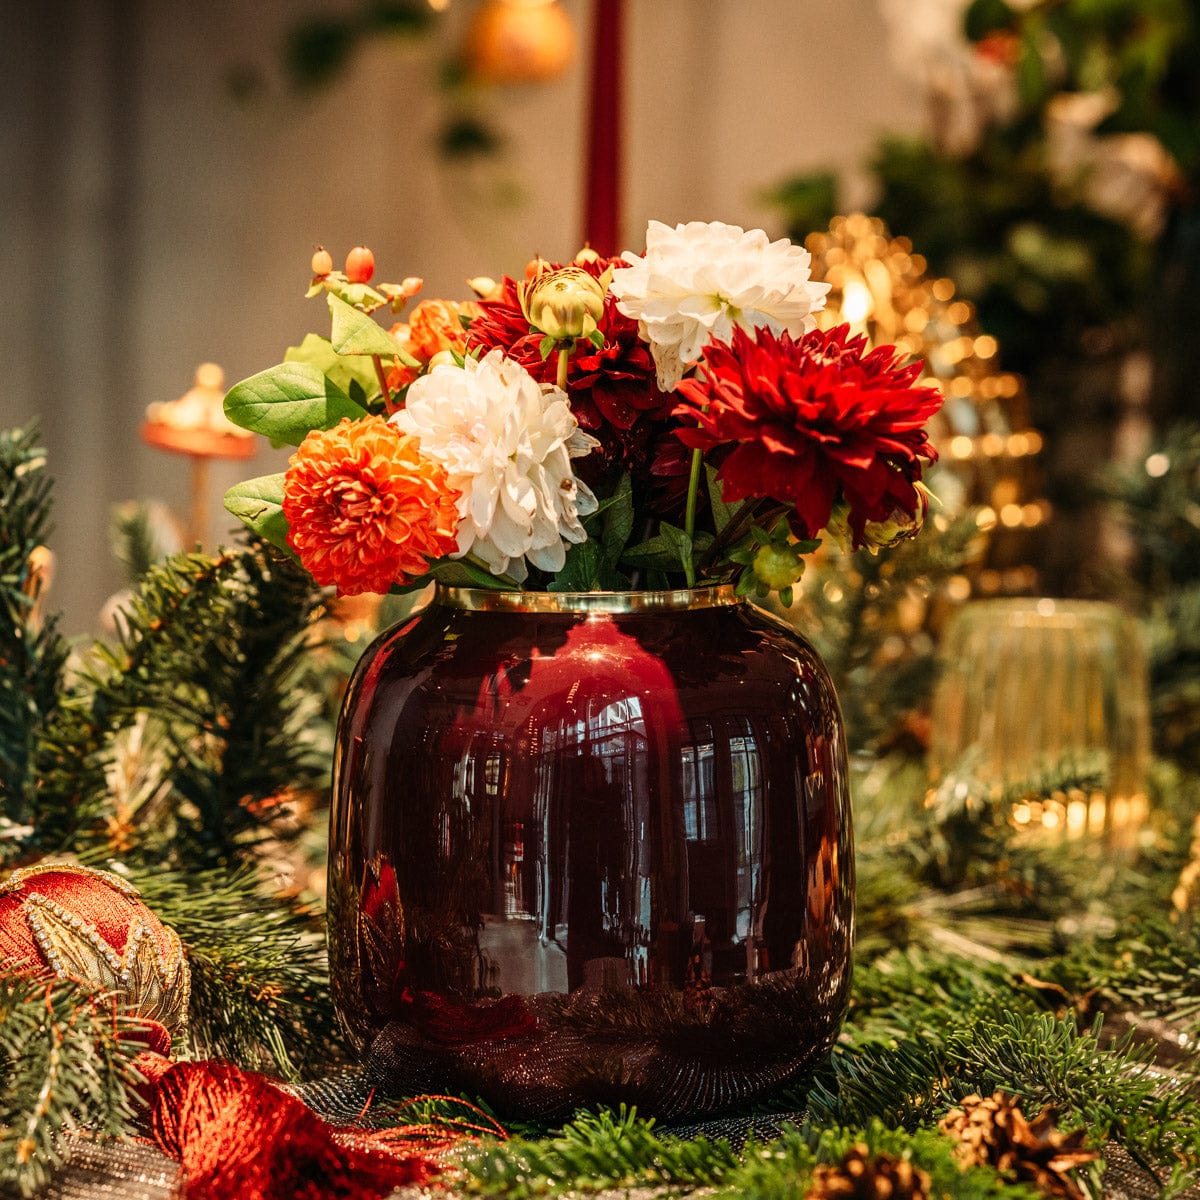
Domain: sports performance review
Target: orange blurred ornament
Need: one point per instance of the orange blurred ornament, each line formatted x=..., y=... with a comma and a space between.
x=519, y=41
x=196, y=425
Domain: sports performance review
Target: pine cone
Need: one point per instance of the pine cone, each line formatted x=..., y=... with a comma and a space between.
x=996, y=1132
x=860, y=1177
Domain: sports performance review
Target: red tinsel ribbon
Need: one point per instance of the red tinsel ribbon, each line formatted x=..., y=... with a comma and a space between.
x=236, y=1134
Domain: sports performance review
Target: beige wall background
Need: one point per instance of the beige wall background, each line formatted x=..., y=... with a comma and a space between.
x=150, y=221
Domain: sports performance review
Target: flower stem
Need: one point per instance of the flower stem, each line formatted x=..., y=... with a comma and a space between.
x=689, y=519
x=383, y=387
x=564, y=356
x=753, y=512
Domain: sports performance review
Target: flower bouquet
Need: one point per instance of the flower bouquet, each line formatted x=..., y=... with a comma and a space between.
x=590, y=825
x=636, y=423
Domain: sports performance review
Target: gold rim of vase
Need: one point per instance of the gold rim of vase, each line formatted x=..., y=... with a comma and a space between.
x=672, y=600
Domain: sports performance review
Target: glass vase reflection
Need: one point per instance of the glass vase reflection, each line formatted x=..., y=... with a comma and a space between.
x=591, y=848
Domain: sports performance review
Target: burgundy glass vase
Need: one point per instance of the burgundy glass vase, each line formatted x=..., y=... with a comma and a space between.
x=590, y=848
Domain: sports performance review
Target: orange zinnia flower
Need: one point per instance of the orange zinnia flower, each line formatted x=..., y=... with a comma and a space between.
x=365, y=509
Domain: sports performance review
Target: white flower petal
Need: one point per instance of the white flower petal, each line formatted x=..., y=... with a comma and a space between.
x=696, y=281
x=506, y=443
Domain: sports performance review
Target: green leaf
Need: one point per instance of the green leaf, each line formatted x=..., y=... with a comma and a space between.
x=288, y=401
x=680, y=542
x=666, y=551
x=355, y=376
x=658, y=552
x=618, y=520
x=460, y=572
x=722, y=513
x=546, y=345
x=581, y=572
x=356, y=333
x=259, y=504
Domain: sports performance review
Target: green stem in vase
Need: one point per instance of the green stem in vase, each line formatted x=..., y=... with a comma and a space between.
x=689, y=519
x=564, y=357
x=381, y=375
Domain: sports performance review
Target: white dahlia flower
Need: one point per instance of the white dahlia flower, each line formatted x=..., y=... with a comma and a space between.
x=697, y=281
x=506, y=443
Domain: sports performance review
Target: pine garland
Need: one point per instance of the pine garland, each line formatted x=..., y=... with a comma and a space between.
x=32, y=658
x=63, y=1067
x=621, y=1150
x=208, y=667
x=260, y=988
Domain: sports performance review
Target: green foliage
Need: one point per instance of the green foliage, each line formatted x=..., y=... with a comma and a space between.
x=621, y=1150
x=355, y=334
x=207, y=670
x=138, y=538
x=260, y=989
x=1161, y=511
x=286, y=402
x=604, y=1149
x=319, y=48
x=32, y=655
x=810, y=201
x=1041, y=269
x=352, y=375
x=63, y=1067
x=1061, y=272
x=258, y=503
x=782, y=1169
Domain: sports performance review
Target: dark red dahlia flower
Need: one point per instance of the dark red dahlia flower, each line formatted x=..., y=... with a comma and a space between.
x=808, y=420
x=613, y=389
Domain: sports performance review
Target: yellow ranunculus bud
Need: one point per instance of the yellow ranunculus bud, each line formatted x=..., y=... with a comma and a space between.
x=566, y=303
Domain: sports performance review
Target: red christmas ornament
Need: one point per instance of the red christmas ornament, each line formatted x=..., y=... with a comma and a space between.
x=91, y=926
x=233, y=1132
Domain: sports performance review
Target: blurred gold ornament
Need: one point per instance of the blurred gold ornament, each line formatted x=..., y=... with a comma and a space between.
x=988, y=453
x=1048, y=701
x=519, y=41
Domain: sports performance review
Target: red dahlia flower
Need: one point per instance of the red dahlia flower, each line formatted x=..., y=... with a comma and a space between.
x=613, y=390
x=806, y=420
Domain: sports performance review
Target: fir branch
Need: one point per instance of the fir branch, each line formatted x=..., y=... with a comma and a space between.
x=32, y=657
x=260, y=989
x=619, y=1150
x=63, y=1067
x=1152, y=967
x=988, y=1044
x=598, y=1150
x=213, y=657
x=783, y=1169
x=141, y=534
